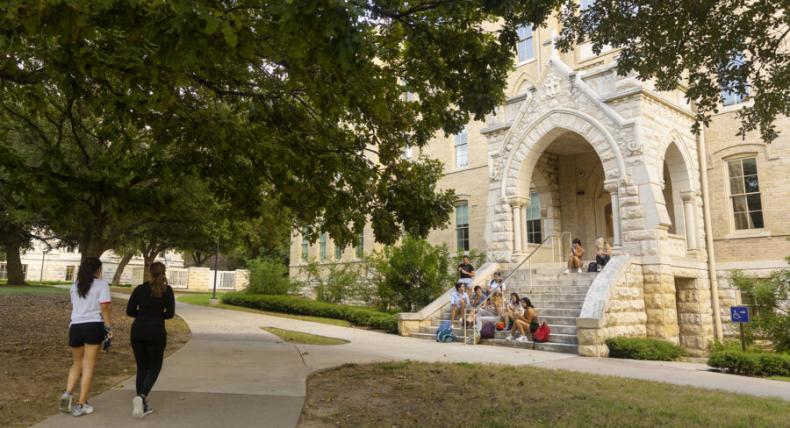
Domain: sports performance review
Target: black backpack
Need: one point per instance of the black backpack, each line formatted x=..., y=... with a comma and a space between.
x=592, y=267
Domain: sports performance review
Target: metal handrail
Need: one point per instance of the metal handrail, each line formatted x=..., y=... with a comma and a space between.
x=476, y=309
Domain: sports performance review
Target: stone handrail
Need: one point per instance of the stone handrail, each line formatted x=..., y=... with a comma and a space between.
x=594, y=307
x=409, y=322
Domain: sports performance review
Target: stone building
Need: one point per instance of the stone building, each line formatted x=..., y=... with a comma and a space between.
x=578, y=151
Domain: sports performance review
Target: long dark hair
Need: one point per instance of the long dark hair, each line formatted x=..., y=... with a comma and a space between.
x=527, y=302
x=516, y=296
x=158, y=280
x=86, y=275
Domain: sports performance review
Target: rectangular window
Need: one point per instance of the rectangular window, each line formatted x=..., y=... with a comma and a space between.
x=360, y=248
x=745, y=193
x=338, y=252
x=24, y=271
x=461, y=149
x=3, y=274
x=525, y=47
x=322, y=247
x=305, y=246
x=462, y=226
x=534, y=229
x=69, y=273
x=730, y=93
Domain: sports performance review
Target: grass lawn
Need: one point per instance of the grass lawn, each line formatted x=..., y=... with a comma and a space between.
x=291, y=336
x=36, y=358
x=782, y=378
x=31, y=289
x=410, y=394
x=203, y=300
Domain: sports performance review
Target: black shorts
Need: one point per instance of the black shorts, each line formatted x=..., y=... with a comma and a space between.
x=91, y=333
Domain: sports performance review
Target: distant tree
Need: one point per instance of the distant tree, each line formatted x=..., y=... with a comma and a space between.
x=706, y=45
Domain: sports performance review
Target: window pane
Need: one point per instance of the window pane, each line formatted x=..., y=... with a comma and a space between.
x=752, y=183
x=533, y=212
x=741, y=221
x=753, y=201
x=756, y=218
x=338, y=252
x=360, y=250
x=739, y=204
x=749, y=166
x=736, y=186
x=462, y=214
x=461, y=156
x=735, y=168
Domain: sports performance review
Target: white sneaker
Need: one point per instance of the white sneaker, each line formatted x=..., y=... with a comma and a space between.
x=509, y=338
x=566, y=271
x=81, y=409
x=138, y=407
x=64, y=404
x=579, y=271
x=522, y=339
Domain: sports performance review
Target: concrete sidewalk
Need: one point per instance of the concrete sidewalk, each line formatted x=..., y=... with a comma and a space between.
x=234, y=374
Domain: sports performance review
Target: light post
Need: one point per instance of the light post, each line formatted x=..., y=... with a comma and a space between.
x=43, y=256
x=213, y=300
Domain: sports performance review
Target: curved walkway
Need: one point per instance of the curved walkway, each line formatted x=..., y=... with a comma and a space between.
x=233, y=374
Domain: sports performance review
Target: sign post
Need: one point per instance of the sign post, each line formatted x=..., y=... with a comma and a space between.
x=740, y=315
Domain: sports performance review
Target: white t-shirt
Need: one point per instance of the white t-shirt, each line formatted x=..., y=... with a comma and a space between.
x=88, y=309
x=457, y=296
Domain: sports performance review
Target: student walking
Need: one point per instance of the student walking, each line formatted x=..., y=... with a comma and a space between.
x=90, y=324
x=150, y=304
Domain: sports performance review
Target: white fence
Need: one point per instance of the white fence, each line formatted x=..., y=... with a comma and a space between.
x=226, y=279
x=178, y=278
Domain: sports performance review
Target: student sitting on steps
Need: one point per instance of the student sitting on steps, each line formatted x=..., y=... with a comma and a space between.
x=459, y=301
x=528, y=321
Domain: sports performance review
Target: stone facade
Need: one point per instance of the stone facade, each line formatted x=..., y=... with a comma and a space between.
x=609, y=156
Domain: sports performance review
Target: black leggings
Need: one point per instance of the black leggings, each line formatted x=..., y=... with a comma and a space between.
x=148, y=353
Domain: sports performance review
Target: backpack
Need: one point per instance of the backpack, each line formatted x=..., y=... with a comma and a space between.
x=445, y=332
x=542, y=334
x=488, y=331
x=592, y=267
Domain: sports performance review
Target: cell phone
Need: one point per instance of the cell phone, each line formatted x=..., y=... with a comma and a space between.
x=105, y=346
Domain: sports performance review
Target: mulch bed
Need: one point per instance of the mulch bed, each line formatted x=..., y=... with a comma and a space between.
x=36, y=358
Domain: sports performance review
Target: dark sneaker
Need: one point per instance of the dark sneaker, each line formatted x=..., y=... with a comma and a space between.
x=64, y=404
x=147, y=409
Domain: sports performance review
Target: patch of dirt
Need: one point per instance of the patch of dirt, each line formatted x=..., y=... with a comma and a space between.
x=36, y=358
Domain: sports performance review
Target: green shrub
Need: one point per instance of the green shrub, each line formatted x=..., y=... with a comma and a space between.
x=359, y=316
x=770, y=315
x=638, y=348
x=268, y=277
x=336, y=283
x=750, y=363
x=410, y=275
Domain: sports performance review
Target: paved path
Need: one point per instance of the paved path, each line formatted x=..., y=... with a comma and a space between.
x=233, y=374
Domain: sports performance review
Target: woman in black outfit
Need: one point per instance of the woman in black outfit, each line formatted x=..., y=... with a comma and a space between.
x=150, y=305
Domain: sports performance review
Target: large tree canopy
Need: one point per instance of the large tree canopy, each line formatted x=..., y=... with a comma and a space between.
x=707, y=45
x=300, y=103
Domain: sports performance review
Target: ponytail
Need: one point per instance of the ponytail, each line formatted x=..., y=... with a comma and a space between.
x=86, y=274
x=158, y=280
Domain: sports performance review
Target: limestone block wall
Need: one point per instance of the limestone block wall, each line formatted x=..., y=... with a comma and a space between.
x=199, y=278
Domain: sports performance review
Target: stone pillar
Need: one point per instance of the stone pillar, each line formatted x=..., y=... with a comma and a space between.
x=613, y=187
x=524, y=243
x=516, y=227
x=689, y=197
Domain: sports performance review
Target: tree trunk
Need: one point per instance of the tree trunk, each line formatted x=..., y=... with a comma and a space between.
x=200, y=258
x=14, y=271
x=116, y=279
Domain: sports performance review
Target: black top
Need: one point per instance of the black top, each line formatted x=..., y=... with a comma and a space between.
x=468, y=268
x=144, y=306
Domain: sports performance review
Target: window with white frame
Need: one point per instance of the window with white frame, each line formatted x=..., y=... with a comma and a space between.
x=745, y=194
x=305, y=246
x=462, y=226
x=525, y=46
x=461, y=143
x=70, y=273
x=322, y=247
x=534, y=224
x=730, y=93
x=338, y=252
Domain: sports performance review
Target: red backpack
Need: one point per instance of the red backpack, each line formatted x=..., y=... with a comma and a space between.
x=542, y=334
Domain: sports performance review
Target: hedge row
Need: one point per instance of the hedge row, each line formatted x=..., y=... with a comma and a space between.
x=636, y=348
x=751, y=363
x=301, y=306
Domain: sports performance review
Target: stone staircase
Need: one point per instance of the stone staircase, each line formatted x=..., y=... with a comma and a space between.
x=557, y=297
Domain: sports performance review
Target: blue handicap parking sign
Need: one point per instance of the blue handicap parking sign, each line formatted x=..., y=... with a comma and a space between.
x=739, y=314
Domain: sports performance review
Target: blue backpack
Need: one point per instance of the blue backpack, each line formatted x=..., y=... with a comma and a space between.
x=445, y=332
